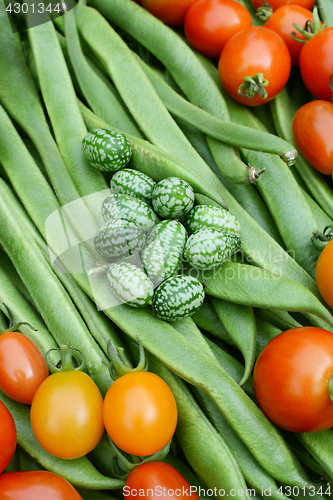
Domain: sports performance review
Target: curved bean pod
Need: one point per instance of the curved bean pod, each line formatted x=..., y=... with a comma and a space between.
x=319, y=444
x=207, y=319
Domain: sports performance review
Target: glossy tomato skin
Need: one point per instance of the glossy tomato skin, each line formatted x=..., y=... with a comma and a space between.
x=209, y=24
x=140, y=413
x=291, y=377
x=316, y=64
x=324, y=273
x=155, y=480
x=22, y=367
x=7, y=437
x=275, y=4
x=67, y=414
x=254, y=50
x=282, y=21
x=36, y=485
x=171, y=12
x=313, y=132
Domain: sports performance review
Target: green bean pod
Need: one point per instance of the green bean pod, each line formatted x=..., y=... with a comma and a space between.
x=265, y=332
x=60, y=100
x=280, y=319
x=96, y=92
x=191, y=332
x=319, y=444
x=240, y=323
x=79, y=471
x=207, y=319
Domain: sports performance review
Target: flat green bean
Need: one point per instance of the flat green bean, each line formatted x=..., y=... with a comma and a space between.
x=319, y=444
x=207, y=319
x=280, y=319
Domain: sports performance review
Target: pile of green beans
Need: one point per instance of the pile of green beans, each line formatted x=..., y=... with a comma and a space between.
x=82, y=74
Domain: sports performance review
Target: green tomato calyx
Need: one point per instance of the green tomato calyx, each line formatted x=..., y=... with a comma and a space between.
x=264, y=12
x=70, y=359
x=311, y=28
x=120, y=365
x=12, y=327
x=253, y=85
x=320, y=239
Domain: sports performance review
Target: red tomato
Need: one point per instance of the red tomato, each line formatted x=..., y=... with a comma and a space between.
x=210, y=23
x=36, y=485
x=282, y=21
x=171, y=12
x=140, y=413
x=67, y=414
x=22, y=367
x=324, y=273
x=154, y=480
x=7, y=437
x=275, y=4
x=313, y=132
x=316, y=64
x=254, y=50
x=291, y=378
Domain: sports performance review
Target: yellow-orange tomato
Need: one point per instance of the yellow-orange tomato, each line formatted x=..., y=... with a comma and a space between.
x=324, y=273
x=275, y=4
x=171, y=12
x=140, y=413
x=67, y=414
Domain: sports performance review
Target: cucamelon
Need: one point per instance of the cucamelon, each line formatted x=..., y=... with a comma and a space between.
x=107, y=150
x=202, y=216
x=210, y=247
x=118, y=239
x=122, y=206
x=178, y=297
x=172, y=198
x=130, y=284
x=133, y=183
x=162, y=255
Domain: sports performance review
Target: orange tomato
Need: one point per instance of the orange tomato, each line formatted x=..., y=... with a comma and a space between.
x=171, y=12
x=324, y=273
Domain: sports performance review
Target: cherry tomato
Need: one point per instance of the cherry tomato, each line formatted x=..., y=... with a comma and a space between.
x=36, y=485
x=313, y=132
x=275, y=4
x=252, y=51
x=282, y=21
x=171, y=12
x=153, y=480
x=316, y=64
x=140, y=413
x=210, y=23
x=67, y=414
x=291, y=378
x=324, y=273
x=22, y=367
x=7, y=437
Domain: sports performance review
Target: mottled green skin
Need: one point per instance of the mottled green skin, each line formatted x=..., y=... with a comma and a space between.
x=107, y=150
x=118, y=239
x=126, y=207
x=178, y=297
x=162, y=255
x=133, y=183
x=202, y=216
x=210, y=247
x=172, y=198
x=130, y=284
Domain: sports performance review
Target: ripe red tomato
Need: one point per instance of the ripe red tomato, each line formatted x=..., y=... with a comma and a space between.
x=252, y=51
x=153, y=480
x=67, y=414
x=313, y=132
x=275, y=4
x=22, y=367
x=36, y=485
x=316, y=64
x=7, y=437
x=291, y=378
x=140, y=413
x=209, y=24
x=282, y=21
x=171, y=12
x=324, y=273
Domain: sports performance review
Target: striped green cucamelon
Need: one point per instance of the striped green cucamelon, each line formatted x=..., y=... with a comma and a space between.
x=210, y=247
x=202, y=216
x=172, y=198
x=118, y=239
x=130, y=284
x=178, y=297
x=107, y=150
x=162, y=255
x=133, y=183
x=121, y=206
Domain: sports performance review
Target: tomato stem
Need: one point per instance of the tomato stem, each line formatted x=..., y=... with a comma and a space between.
x=320, y=240
x=68, y=359
x=311, y=28
x=120, y=365
x=253, y=85
x=254, y=173
x=12, y=327
x=264, y=12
